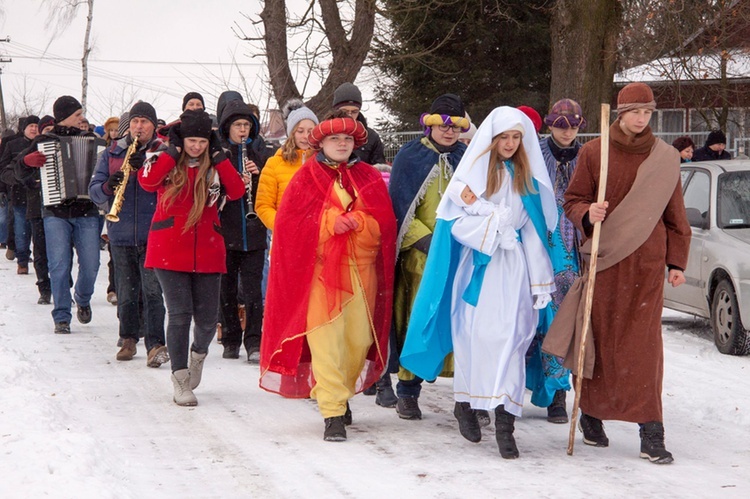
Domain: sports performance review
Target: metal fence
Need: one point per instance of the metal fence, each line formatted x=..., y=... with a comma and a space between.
x=392, y=142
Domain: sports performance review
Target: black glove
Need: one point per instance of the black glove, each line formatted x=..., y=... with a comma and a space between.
x=175, y=140
x=136, y=159
x=115, y=179
x=423, y=244
x=215, y=150
x=3, y=200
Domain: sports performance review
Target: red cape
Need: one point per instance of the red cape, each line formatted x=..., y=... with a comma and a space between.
x=285, y=357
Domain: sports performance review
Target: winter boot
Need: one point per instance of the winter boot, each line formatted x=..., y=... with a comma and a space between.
x=408, y=408
x=652, y=443
x=370, y=390
x=183, y=395
x=231, y=351
x=385, y=396
x=196, y=368
x=504, y=427
x=157, y=356
x=593, y=431
x=335, y=430
x=556, y=412
x=467, y=422
x=483, y=417
x=128, y=350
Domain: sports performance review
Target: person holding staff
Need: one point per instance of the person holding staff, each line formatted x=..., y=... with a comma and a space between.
x=185, y=246
x=644, y=232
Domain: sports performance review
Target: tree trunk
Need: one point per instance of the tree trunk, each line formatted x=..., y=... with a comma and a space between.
x=348, y=55
x=584, y=51
x=85, y=58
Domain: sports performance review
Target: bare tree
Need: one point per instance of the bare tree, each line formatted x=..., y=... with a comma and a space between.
x=330, y=41
x=60, y=14
x=584, y=52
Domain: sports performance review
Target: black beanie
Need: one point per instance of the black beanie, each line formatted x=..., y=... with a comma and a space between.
x=64, y=107
x=448, y=104
x=195, y=124
x=716, y=137
x=143, y=110
x=30, y=120
x=347, y=95
x=192, y=95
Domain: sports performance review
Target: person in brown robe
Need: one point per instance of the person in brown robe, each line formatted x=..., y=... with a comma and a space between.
x=644, y=230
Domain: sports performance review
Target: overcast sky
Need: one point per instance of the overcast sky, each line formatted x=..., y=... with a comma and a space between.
x=157, y=46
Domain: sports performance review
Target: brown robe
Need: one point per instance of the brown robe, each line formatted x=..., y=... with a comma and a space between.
x=626, y=379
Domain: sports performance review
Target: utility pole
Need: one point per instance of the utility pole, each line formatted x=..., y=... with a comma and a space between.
x=3, y=123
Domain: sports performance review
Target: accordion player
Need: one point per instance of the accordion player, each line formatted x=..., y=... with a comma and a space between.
x=67, y=171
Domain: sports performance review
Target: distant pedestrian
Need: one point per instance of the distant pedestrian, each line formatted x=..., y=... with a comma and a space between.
x=713, y=149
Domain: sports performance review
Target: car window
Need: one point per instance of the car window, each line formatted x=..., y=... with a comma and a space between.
x=684, y=174
x=734, y=200
x=697, y=195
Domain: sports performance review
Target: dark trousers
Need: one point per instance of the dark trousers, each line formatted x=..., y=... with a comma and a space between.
x=39, y=243
x=249, y=266
x=132, y=280
x=111, y=272
x=189, y=295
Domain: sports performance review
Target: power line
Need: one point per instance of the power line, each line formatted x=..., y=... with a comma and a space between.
x=123, y=61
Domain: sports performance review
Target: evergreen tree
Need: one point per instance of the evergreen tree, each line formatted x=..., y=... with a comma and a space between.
x=489, y=53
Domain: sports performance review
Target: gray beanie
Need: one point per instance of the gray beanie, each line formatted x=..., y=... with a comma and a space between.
x=297, y=115
x=347, y=95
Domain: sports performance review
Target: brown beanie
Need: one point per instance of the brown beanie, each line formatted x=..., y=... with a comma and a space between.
x=635, y=96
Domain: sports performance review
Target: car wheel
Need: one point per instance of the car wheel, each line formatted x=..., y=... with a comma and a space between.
x=730, y=336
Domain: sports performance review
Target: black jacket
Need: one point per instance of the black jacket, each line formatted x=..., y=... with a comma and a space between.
x=11, y=151
x=706, y=154
x=373, y=151
x=29, y=177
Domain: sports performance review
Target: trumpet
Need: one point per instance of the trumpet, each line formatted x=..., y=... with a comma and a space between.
x=249, y=204
x=112, y=216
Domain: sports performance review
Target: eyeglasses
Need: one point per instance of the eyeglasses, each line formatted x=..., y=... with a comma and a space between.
x=241, y=125
x=445, y=128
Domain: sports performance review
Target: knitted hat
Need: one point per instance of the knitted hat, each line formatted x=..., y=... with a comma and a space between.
x=635, y=96
x=192, y=95
x=336, y=126
x=237, y=110
x=533, y=115
x=716, y=137
x=45, y=122
x=64, y=107
x=143, y=110
x=195, y=124
x=30, y=120
x=682, y=143
x=347, y=95
x=124, y=125
x=296, y=111
x=448, y=104
x=565, y=113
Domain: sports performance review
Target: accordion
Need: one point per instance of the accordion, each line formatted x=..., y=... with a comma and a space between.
x=70, y=164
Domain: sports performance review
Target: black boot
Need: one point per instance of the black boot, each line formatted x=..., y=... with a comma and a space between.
x=335, y=430
x=370, y=390
x=652, y=443
x=348, y=415
x=467, y=422
x=556, y=412
x=385, y=396
x=593, y=431
x=408, y=408
x=504, y=426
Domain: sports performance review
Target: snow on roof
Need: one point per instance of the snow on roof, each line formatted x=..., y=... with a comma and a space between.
x=697, y=67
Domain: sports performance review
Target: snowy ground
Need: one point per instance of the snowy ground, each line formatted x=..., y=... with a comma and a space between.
x=74, y=422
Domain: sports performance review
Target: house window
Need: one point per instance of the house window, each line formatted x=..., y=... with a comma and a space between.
x=698, y=122
x=672, y=121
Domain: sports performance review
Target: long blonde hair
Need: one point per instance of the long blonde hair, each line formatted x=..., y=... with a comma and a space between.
x=289, y=149
x=177, y=179
x=522, y=180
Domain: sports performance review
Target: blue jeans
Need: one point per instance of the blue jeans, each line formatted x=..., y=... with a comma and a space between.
x=62, y=235
x=4, y=217
x=131, y=280
x=22, y=229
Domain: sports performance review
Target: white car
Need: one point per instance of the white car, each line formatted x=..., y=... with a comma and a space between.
x=717, y=201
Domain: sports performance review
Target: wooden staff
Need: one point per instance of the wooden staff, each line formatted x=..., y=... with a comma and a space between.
x=604, y=159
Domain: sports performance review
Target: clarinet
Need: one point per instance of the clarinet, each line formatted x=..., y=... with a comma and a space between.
x=250, y=215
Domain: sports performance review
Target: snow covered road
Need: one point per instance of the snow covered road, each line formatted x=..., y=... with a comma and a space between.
x=74, y=422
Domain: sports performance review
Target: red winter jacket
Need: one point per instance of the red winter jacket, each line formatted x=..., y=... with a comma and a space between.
x=200, y=248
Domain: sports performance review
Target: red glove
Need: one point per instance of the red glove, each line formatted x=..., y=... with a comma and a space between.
x=35, y=159
x=344, y=224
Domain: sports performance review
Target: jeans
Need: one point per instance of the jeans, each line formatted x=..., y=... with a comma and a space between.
x=131, y=281
x=266, y=265
x=249, y=265
x=189, y=295
x=40, y=255
x=83, y=233
x=6, y=226
x=22, y=228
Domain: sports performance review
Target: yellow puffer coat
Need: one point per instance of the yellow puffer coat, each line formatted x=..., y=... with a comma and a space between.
x=274, y=178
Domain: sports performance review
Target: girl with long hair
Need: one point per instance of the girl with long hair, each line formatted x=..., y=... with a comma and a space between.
x=185, y=245
x=488, y=273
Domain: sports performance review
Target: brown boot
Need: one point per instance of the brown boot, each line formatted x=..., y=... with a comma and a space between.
x=157, y=356
x=128, y=350
x=22, y=270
